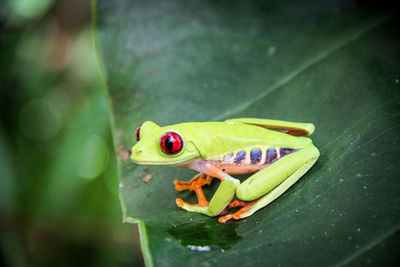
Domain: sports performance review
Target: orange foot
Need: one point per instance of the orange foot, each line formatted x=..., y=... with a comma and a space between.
x=194, y=185
x=237, y=215
x=201, y=180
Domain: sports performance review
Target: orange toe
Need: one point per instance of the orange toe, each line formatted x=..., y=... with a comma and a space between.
x=180, y=202
x=180, y=186
x=225, y=218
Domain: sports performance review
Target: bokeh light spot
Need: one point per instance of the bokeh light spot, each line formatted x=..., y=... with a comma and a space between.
x=95, y=157
x=30, y=8
x=83, y=57
x=39, y=119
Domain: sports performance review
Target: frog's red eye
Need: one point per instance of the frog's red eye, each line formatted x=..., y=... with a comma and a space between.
x=138, y=132
x=171, y=143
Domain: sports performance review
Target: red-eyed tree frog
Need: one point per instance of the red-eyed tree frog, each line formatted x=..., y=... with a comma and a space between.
x=273, y=151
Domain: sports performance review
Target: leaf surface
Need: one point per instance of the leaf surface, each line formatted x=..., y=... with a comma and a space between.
x=334, y=64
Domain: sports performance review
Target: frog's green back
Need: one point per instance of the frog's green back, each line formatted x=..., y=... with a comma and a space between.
x=216, y=138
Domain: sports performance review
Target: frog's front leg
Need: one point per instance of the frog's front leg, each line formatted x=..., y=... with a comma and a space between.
x=222, y=197
x=268, y=184
x=201, y=178
x=194, y=185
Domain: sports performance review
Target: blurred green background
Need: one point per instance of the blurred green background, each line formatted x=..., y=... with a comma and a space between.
x=59, y=200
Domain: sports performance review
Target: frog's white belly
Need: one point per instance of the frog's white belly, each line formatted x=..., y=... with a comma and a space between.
x=236, y=169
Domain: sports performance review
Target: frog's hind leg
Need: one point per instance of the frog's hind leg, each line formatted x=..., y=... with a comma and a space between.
x=291, y=128
x=194, y=185
x=304, y=160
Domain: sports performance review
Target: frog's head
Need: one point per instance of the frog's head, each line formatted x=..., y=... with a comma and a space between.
x=162, y=146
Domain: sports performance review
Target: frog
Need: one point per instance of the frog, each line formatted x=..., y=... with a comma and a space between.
x=275, y=153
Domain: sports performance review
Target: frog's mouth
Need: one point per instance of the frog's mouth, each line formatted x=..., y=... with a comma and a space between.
x=177, y=163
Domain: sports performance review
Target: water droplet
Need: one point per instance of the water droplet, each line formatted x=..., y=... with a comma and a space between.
x=199, y=248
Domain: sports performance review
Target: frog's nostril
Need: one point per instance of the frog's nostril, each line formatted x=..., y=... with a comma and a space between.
x=136, y=154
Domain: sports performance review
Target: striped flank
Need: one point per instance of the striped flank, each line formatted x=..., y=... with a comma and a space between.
x=260, y=155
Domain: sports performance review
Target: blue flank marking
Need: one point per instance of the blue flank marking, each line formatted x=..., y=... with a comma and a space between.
x=271, y=156
x=241, y=155
x=286, y=151
x=255, y=155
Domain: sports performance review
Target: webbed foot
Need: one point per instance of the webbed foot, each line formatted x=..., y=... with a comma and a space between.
x=237, y=215
x=194, y=185
x=199, y=180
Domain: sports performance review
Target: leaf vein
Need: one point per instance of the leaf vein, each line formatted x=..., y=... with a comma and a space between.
x=369, y=245
x=308, y=64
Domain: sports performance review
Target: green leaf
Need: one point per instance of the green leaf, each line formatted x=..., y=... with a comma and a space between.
x=335, y=64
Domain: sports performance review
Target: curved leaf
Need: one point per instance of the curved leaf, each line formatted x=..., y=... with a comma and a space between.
x=334, y=64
